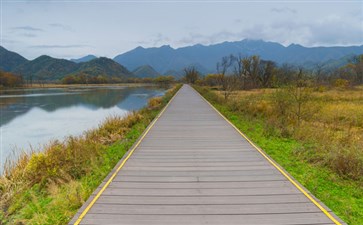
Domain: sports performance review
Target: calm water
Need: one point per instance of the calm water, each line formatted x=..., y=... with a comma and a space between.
x=33, y=117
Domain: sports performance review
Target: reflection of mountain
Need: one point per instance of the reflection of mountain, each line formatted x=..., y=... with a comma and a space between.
x=135, y=101
x=91, y=98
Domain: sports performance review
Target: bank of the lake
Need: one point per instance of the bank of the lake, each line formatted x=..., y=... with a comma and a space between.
x=32, y=117
x=48, y=187
x=60, y=85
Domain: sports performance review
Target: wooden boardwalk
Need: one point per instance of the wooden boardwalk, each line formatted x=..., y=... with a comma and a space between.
x=193, y=167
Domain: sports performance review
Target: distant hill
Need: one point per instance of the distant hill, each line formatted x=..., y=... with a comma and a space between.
x=84, y=59
x=10, y=60
x=166, y=58
x=52, y=69
x=177, y=74
x=46, y=68
x=103, y=66
x=336, y=63
x=145, y=71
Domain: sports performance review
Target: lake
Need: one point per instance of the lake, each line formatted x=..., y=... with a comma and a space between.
x=31, y=118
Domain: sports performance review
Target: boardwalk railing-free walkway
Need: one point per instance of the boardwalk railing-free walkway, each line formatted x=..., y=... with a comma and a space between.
x=192, y=166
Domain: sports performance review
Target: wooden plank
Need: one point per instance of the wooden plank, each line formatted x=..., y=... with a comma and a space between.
x=203, y=185
x=204, y=209
x=193, y=168
x=201, y=200
x=198, y=160
x=262, y=219
x=136, y=163
x=200, y=192
x=198, y=173
x=201, y=179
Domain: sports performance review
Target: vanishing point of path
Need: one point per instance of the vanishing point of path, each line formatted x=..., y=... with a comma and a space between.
x=193, y=167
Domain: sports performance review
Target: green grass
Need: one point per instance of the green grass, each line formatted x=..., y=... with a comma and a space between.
x=343, y=196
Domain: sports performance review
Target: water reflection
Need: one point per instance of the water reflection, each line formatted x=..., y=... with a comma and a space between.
x=33, y=117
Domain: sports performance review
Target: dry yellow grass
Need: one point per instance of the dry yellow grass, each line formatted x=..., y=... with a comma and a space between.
x=332, y=122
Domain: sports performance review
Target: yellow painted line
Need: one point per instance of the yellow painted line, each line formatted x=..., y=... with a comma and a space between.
x=85, y=211
x=299, y=187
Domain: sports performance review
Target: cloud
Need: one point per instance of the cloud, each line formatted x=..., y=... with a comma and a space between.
x=61, y=26
x=221, y=36
x=193, y=38
x=59, y=46
x=160, y=39
x=156, y=40
x=284, y=10
x=323, y=32
x=26, y=28
x=327, y=32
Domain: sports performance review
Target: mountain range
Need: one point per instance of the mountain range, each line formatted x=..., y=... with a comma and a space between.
x=205, y=58
x=48, y=68
x=165, y=60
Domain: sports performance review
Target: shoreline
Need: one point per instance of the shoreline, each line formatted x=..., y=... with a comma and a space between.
x=46, y=86
x=27, y=114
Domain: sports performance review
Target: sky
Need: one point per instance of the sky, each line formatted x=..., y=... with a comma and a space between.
x=72, y=29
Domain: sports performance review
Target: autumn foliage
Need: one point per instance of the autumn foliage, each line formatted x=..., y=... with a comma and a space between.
x=10, y=80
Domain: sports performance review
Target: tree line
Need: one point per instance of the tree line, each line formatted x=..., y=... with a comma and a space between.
x=249, y=72
x=84, y=78
x=10, y=80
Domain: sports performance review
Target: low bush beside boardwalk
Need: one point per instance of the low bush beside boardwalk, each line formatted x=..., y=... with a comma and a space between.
x=49, y=186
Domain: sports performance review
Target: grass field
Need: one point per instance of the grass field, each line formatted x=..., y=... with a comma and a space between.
x=324, y=151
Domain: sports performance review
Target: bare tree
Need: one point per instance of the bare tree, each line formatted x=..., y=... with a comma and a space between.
x=239, y=71
x=266, y=72
x=224, y=65
x=251, y=66
x=285, y=74
x=320, y=72
x=229, y=83
x=30, y=80
x=301, y=95
x=191, y=74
